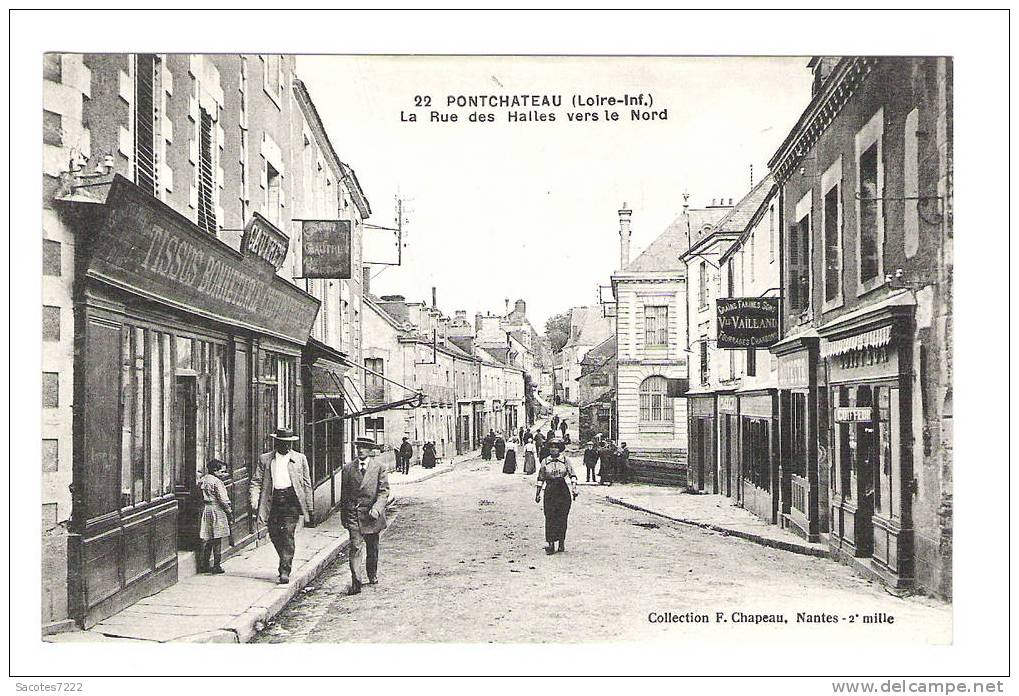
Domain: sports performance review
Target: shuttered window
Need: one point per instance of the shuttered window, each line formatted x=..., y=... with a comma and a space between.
x=206, y=175
x=144, y=122
x=799, y=260
x=656, y=325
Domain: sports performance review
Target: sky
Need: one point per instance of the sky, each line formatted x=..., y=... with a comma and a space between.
x=527, y=210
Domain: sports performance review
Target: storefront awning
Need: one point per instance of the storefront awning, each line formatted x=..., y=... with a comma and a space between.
x=874, y=338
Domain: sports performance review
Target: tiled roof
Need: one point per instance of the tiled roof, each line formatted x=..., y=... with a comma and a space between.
x=739, y=217
x=601, y=352
x=588, y=327
x=663, y=253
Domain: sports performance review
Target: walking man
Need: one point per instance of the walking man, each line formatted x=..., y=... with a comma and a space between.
x=364, y=492
x=281, y=495
x=590, y=461
x=406, y=454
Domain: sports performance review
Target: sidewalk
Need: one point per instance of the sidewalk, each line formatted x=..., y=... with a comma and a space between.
x=230, y=608
x=714, y=512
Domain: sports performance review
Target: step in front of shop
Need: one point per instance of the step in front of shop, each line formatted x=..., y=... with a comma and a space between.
x=659, y=467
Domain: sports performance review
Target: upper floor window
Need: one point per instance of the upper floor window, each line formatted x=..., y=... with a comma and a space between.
x=656, y=325
x=146, y=108
x=272, y=193
x=870, y=211
x=702, y=285
x=730, y=279
x=799, y=257
x=272, y=77
x=752, y=246
x=771, y=234
x=206, y=174
x=655, y=405
x=703, y=360
x=831, y=222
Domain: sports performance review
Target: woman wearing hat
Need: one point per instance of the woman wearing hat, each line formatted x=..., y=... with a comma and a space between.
x=281, y=495
x=559, y=482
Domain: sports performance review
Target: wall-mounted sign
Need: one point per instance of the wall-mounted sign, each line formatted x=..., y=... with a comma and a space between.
x=266, y=241
x=727, y=404
x=675, y=388
x=851, y=414
x=793, y=372
x=747, y=322
x=325, y=247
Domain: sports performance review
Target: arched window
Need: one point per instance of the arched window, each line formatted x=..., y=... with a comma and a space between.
x=655, y=405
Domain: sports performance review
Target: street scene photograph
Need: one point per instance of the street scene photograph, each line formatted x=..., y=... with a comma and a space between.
x=425, y=349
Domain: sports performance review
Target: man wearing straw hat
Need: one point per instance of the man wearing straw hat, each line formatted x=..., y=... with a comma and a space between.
x=364, y=492
x=281, y=495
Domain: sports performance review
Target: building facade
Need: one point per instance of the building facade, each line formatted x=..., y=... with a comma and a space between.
x=596, y=393
x=866, y=190
x=174, y=331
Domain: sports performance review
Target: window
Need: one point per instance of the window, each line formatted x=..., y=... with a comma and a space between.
x=771, y=234
x=374, y=386
x=278, y=384
x=752, y=246
x=272, y=77
x=145, y=111
x=831, y=222
x=757, y=452
x=704, y=359
x=375, y=428
x=206, y=174
x=50, y=455
x=656, y=325
x=50, y=389
x=751, y=362
x=869, y=208
x=702, y=287
x=799, y=265
x=50, y=323
x=730, y=279
x=50, y=258
x=272, y=194
x=655, y=405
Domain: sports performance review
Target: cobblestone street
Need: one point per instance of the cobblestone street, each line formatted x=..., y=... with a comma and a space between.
x=463, y=561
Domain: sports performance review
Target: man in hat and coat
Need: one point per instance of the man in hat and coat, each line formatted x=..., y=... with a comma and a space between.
x=364, y=492
x=281, y=495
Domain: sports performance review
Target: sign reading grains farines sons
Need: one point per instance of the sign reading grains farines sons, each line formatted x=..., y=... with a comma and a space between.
x=747, y=322
x=325, y=248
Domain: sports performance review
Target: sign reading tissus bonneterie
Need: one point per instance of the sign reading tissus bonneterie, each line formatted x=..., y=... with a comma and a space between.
x=325, y=248
x=747, y=322
x=145, y=247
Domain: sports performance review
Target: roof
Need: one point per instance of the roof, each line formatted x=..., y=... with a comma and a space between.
x=606, y=350
x=664, y=252
x=743, y=212
x=378, y=306
x=588, y=327
x=762, y=198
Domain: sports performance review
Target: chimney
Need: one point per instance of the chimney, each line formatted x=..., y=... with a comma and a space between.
x=461, y=315
x=434, y=304
x=730, y=201
x=507, y=305
x=520, y=307
x=366, y=279
x=624, y=236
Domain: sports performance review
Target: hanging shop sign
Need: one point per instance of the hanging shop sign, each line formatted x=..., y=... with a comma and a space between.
x=325, y=248
x=747, y=322
x=266, y=241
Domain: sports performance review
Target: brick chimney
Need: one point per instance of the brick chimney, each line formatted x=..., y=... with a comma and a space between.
x=624, y=236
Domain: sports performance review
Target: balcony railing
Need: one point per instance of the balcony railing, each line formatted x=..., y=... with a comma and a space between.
x=798, y=493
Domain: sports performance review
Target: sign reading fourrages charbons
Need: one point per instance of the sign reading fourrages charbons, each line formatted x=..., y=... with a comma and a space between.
x=747, y=322
x=481, y=109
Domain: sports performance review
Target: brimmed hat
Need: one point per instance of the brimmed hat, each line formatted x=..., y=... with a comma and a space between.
x=284, y=434
x=366, y=442
x=556, y=442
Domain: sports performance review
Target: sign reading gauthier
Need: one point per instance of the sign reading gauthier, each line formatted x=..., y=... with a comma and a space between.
x=747, y=322
x=325, y=248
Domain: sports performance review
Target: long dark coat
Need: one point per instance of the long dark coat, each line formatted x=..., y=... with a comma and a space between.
x=500, y=448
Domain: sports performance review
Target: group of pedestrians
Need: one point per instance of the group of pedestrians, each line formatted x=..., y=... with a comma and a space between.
x=405, y=455
x=612, y=462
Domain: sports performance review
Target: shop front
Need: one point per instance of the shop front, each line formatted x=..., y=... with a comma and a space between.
x=185, y=350
x=758, y=449
x=729, y=471
x=869, y=364
x=702, y=471
x=325, y=424
x=803, y=461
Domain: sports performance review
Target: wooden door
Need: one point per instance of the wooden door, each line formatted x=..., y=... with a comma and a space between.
x=185, y=463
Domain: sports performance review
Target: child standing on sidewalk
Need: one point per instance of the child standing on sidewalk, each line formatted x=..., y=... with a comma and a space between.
x=215, y=517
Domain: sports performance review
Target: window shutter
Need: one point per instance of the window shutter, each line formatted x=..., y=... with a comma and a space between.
x=206, y=209
x=144, y=122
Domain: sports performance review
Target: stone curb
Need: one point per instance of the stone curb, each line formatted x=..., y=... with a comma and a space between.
x=729, y=531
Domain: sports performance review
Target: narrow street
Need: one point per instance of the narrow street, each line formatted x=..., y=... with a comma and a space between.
x=463, y=561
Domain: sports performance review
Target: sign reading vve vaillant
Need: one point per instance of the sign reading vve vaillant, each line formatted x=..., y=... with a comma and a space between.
x=325, y=248
x=747, y=322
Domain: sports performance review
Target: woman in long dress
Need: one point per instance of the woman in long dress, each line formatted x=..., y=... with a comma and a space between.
x=559, y=483
x=428, y=456
x=509, y=465
x=500, y=447
x=530, y=458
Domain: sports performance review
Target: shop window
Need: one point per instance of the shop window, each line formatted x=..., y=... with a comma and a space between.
x=145, y=113
x=206, y=174
x=326, y=439
x=655, y=405
x=277, y=385
x=757, y=452
x=656, y=325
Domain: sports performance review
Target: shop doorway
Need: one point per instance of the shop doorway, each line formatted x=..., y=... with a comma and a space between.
x=185, y=461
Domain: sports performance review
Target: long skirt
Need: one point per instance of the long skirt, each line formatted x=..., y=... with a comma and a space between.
x=557, y=509
x=486, y=451
x=500, y=450
x=509, y=466
x=529, y=465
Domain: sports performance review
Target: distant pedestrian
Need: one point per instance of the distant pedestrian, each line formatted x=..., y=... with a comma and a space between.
x=539, y=438
x=555, y=423
x=364, y=493
x=406, y=455
x=528, y=436
x=509, y=466
x=281, y=494
x=428, y=456
x=590, y=461
x=559, y=483
x=486, y=445
x=520, y=435
x=500, y=447
x=550, y=435
x=607, y=468
x=623, y=464
x=530, y=458
x=562, y=427
x=215, y=517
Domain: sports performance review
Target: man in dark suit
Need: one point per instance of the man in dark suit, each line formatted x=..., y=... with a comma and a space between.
x=406, y=455
x=364, y=492
x=281, y=495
